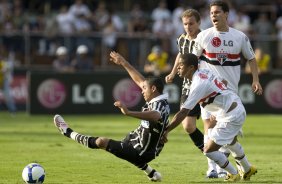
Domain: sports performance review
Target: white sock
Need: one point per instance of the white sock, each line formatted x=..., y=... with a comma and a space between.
x=222, y=161
x=148, y=170
x=226, y=152
x=211, y=163
x=238, y=153
x=73, y=135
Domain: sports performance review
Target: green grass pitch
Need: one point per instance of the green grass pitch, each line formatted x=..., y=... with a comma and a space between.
x=25, y=139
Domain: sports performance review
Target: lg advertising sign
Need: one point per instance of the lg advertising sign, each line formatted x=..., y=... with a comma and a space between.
x=96, y=93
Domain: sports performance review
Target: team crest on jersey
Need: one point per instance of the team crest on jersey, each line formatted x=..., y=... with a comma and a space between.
x=216, y=42
x=203, y=76
x=221, y=57
x=145, y=124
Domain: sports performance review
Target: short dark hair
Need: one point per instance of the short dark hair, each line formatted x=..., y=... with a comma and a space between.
x=156, y=81
x=190, y=59
x=224, y=6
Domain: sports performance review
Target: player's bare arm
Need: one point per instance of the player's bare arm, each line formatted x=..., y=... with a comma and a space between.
x=177, y=119
x=145, y=115
x=169, y=78
x=134, y=74
x=256, y=84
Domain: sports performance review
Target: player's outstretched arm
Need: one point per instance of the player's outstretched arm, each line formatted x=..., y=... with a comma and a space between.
x=254, y=69
x=153, y=116
x=136, y=76
x=169, y=78
x=177, y=119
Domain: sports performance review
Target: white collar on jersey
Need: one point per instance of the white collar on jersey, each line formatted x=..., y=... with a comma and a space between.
x=160, y=97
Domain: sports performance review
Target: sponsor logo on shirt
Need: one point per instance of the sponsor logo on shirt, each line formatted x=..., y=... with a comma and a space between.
x=216, y=42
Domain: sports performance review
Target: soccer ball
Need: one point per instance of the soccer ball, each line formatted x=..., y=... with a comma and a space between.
x=33, y=173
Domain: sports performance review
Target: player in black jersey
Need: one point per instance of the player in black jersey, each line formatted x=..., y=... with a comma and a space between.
x=191, y=22
x=143, y=144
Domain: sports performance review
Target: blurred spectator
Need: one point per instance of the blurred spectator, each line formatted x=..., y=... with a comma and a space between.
x=20, y=19
x=205, y=18
x=263, y=61
x=279, y=46
x=137, y=25
x=113, y=25
x=232, y=15
x=262, y=29
x=62, y=61
x=164, y=31
x=82, y=62
x=137, y=20
x=161, y=12
x=5, y=9
x=65, y=21
x=242, y=22
x=157, y=62
x=81, y=14
x=101, y=16
x=6, y=77
x=177, y=25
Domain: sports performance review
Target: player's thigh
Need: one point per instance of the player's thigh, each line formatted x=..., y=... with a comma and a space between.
x=123, y=150
x=224, y=132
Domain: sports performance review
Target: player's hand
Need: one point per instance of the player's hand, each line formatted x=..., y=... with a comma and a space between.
x=122, y=107
x=117, y=58
x=164, y=138
x=212, y=118
x=169, y=78
x=257, y=89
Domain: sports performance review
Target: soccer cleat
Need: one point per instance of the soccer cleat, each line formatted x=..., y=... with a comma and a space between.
x=156, y=177
x=232, y=177
x=239, y=168
x=222, y=174
x=212, y=174
x=247, y=175
x=60, y=124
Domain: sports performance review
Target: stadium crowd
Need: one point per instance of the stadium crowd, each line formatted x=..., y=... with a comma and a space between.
x=74, y=20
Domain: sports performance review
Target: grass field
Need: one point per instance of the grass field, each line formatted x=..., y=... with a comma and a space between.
x=25, y=139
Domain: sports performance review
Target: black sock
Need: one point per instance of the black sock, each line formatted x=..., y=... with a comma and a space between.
x=151, y=174
x=198, y=138
x=92, y=142
x=68, y=133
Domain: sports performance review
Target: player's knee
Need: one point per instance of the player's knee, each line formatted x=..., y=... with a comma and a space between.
x=102, y=142
x=189, y=126
x=206, y=150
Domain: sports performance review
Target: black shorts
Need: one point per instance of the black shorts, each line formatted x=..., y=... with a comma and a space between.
x=196, y=111
x=125, y=151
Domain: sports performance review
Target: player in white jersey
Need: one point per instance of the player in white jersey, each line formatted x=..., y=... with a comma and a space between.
x=220, y=52
x=225, y=105
x=219, y=49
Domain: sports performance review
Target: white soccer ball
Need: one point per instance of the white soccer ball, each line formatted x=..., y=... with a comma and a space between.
x=33, y=173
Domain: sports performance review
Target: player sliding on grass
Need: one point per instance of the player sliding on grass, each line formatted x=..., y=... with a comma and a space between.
x=143, y=144
x=222, y=103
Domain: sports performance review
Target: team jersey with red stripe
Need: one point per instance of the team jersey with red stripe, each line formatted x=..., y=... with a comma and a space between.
x=220, y=52
x=208, y=89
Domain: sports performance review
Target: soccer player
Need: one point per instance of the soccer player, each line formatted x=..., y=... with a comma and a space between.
x=191, y=20
x=225, y=105
x=219, y=49
x=143, y=144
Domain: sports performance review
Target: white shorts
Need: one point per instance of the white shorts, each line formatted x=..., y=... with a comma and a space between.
x=224, y=131
x=205, y=114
